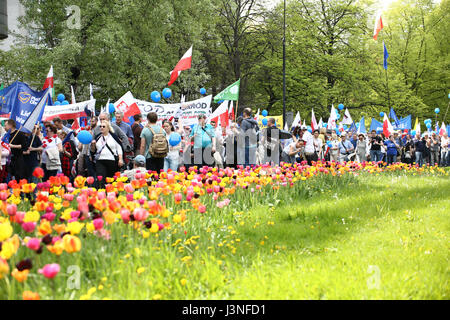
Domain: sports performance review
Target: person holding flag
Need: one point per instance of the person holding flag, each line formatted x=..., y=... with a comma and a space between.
x=17, y=146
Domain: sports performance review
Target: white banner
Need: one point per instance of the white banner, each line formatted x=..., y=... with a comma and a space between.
x=187, y=113
x=70, y=111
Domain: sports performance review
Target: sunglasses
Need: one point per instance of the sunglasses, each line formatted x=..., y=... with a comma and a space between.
x=102, y=126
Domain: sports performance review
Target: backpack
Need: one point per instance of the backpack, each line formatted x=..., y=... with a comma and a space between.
x=159, y=148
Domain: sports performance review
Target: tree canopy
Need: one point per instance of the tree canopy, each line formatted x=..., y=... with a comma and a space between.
x=332, y=58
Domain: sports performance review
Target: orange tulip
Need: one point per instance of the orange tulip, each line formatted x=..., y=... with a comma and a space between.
x=20, y=276
x=71, y=244
x=29, y=295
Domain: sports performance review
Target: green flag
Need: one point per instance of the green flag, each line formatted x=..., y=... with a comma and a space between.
x=230, y=93
x=1, y=86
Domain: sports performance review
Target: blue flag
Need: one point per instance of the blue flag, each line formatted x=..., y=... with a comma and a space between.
x=353, y=129
x=362, y=126
x=19, y=100
x=393, y=116
x=377, y=126
x=403, y=124
x=386, y=56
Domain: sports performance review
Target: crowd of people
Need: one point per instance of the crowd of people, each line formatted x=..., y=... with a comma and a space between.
x=149, y=144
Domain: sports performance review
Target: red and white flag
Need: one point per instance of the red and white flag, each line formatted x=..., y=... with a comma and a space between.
x=49, y=82
x=378, y=26
x=388, y=129
x=183, y=64
x=222, y=113
x=231, y=112
x=313, y=121
x=127, y=104
x=443, y=129
x=332, y=119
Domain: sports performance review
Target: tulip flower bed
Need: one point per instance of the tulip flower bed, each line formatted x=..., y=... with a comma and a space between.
x=327, y=231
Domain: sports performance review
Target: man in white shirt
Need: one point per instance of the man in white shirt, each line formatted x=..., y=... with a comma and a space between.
x=310, y=153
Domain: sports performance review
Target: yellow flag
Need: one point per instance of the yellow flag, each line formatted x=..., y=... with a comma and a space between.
x=417, y=126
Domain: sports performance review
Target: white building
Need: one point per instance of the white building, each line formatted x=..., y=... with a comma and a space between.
x=9, y=21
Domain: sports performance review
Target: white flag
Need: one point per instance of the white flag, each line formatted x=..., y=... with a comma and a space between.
x=320, y=125
x=296, y=121
x=313, y=121
x=91, y=91
x=347, y=118
x=332, y=119
x=36, y=115
x=73, y=95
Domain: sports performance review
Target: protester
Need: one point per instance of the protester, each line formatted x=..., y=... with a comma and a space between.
x=250, y=128
x=118, y=133
x=67, y=154
x=318, y=146
x=420, y=149
x=51, y=162
x=375, y=147
x=5, y=156
x=139, y=163
x=151, y=151
x=408, y=150
x=108, y=153
x=271, y=141
x=362, y=149
x=434, y=149
x=391, y=151
x=445, y=150
x=172, y=160
x=345, y=149
x=136, y=128
x=334, y=149
x=31, y=156
x=204, y=142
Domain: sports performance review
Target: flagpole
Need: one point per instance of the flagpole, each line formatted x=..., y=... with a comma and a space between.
x=236, y=113
x=387, y=87
x=10, y=141
x=284, y=65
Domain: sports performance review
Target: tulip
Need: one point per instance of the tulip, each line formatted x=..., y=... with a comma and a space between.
x=50, y=270
x=11, y=209
x=29, y=295
x=98, y=223
x=125, y=214
x=90, y=180
x=140, y=214
x=38, y=173
x=3, y=195
x=29, y=226
x=71, y=244
x=178, y=197
x=202, y=208
x=49, y=216
x=34, y=244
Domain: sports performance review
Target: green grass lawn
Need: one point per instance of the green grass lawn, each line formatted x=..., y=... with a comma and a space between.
x=382, y=236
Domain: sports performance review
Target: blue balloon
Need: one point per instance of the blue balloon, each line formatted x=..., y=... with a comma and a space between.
x=413, y=132
x=265, y=113
x=329, y=144
x=264, y=122
x=325, y=125
x=428, y=125
x=381, y=114
x=57, y=103
x=345, y=127
x=437, y=110
x=85, y=137
x=111, y=108
x=337, y=131
x=156, y=96
x=174, y=139
x=427, y=121
x=202, y=91
x=65, y=103
x=338, y=116
x=309, y=129
x=61, y=97
x=167, y=93
x=341, y=106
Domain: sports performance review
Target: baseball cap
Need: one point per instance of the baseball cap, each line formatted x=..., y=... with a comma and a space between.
x=140, y=159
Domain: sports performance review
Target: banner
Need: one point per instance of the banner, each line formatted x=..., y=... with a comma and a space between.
x=278, y=121
x=187, y=113
x=403, y=124
x=19, y=100
x=70, y=111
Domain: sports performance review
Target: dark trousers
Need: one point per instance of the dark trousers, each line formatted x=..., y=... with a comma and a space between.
x=18, y=169
x=155, y=164
x=311, y=157
x=49, y=173
x=105, y=168
x=391, y=158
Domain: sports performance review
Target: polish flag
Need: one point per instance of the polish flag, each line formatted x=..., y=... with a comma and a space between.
x=127, y=104
x=378, y=26
x=443, y=129
x=183, y=64
x=49, y=81
x=257, y=115
x=387, y=126
x=320, y=125
x=332, y=119
x=222, y=113
x=313, y=121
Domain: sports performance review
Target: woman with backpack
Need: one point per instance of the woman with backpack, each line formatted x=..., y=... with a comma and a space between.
x=107, y=152
x=67, y=154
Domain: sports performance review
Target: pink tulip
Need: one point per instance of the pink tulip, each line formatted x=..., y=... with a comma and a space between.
x=20, y=215
x=68, y=197
x=160, y=226
x=90, y=180
x=29, y=226
x=216, y=189
x=140, y=214
x=34, y=244
x=83, y=208
x=98, y=223
x=50, y=270
x=101, y=195
x=129, y=188
x=130, y=197
x=49, y=216
x=178, y=197
x=3, y=186
x=202, y=208
x=125, y=214
x=3, y=196
x=11, y=209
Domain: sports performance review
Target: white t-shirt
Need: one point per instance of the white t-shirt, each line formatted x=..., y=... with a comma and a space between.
x=174, y=151
x=105, y=154
x=49, y=143
x=317, y=143
x=309, y=138
x=444, y=144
